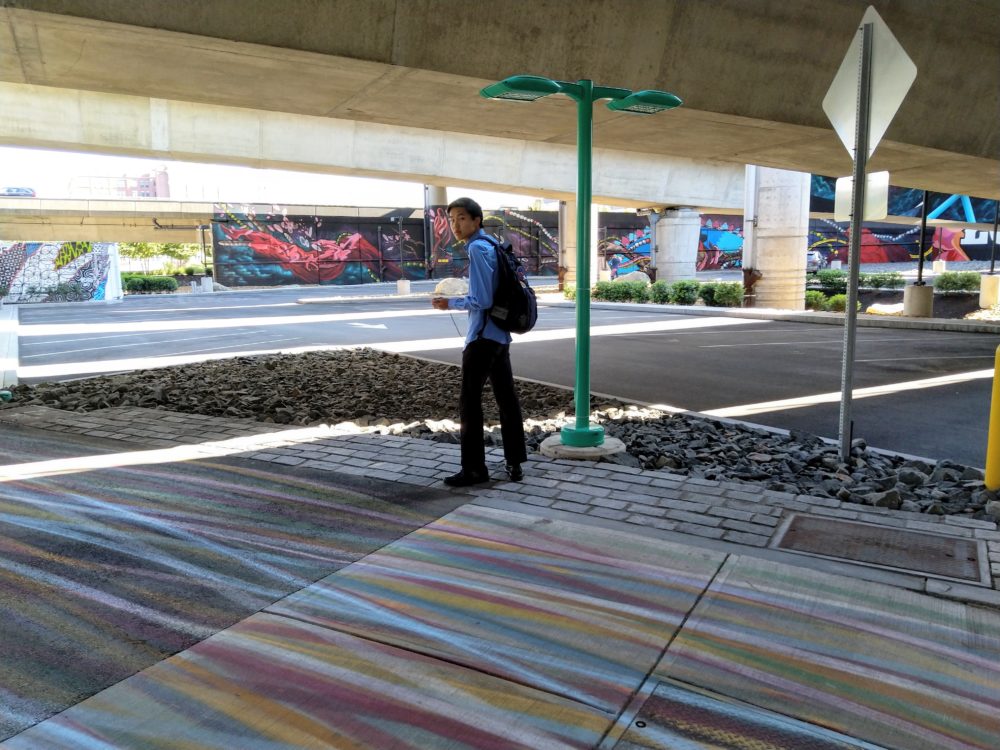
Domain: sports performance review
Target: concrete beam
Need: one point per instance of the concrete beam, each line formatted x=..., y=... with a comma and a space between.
x=752, y=75
x=47, y=117
x=151, y=220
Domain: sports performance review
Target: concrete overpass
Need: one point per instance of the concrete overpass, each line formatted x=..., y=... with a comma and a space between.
x=148, y=220
x=363, y=84
x=389, y=88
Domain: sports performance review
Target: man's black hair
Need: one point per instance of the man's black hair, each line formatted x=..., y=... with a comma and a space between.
x=469, y=206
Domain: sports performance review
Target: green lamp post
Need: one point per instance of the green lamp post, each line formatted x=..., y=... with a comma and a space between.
x=582, y=434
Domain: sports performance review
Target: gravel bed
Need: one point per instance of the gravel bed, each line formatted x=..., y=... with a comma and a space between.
x=401, y=395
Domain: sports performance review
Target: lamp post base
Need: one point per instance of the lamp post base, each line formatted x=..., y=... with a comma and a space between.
x=553, y=447
x=586, y=437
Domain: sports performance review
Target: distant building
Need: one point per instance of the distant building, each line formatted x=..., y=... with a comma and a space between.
x=155, y=184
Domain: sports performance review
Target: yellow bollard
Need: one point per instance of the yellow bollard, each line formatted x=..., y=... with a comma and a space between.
x=993, y=437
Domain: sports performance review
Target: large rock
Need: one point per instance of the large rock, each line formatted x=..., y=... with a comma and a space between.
x=634, y=276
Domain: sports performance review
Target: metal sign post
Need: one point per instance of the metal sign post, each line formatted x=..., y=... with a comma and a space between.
x=871, y=83
x=854, y=248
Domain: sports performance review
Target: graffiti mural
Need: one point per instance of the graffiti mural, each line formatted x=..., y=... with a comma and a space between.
x=447, y=256
x=624, y=242
x=893, y=243
x=272, y=249
x=720, y=243
x=909, y=202
x=57, y=271
x=532, y=234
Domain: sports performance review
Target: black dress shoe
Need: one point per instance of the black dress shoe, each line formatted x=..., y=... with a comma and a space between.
x=466, y=478
x=514, y=472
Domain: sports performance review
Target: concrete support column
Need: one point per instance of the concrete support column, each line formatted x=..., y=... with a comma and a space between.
x=779, y=239
x=568, y=243
x=677, y=244
x=435, y=195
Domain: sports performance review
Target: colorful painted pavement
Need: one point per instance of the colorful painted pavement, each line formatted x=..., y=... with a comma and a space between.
x=105, y=572
x=501, y=630
x=884, y=664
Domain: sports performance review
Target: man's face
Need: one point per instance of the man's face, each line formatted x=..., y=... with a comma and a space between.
x=462, y=225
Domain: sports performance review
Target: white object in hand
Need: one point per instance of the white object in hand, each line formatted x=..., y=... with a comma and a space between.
x=451, y=287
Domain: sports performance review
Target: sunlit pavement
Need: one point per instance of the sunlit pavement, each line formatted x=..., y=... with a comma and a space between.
x=185, y=581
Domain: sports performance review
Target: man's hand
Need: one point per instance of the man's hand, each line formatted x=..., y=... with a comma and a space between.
x=439, y=303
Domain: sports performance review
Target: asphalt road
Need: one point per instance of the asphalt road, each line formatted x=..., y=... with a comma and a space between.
x=733, y=367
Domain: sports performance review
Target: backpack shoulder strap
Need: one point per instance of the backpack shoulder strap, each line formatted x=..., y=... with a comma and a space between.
x=497, y=246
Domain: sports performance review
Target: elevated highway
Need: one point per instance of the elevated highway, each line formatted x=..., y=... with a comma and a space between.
x=148, y=220
x=389, y=88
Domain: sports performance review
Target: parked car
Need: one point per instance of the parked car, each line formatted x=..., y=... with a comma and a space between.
x=17, y=192
x=815, y=261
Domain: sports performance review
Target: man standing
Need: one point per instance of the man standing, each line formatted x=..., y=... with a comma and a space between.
x=486, y=355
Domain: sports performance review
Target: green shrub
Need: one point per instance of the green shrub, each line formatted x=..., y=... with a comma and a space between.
x=707, y=293
x=620, y=291
x=636, y=291
x=729, y=294
x=684, y=292
x=569, y=292
x=837, y=303
x=885, y=280
x=195, y=269
x=138, y=283
x=659, y=292
x=832, y=280
x=957, y=281
x=602, y=290
x=815, y=300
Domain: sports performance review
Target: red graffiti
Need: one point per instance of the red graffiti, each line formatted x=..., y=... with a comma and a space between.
x=322, y=261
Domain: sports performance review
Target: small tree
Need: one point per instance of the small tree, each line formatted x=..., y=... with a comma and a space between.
x=179, y=251
x=146, y=251
x=141, y=251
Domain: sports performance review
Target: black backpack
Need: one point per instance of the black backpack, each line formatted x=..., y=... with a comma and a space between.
x=514, y=309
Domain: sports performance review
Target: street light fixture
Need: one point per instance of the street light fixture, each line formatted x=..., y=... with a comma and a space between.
x=582, y=434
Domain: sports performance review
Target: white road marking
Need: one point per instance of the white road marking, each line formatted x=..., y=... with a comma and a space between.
x=157, y=342
x=868, y=339
x=928, y=358
x=132, y=310
x=834, y=396
x=65, y=329
x=70, y=369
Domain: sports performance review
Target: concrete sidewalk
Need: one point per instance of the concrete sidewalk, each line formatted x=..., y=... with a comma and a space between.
x=589, y=606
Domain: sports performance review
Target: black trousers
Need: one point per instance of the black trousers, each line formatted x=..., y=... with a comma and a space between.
x=482, y=360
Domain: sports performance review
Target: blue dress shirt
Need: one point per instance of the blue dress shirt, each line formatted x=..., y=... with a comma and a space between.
x=482, y=283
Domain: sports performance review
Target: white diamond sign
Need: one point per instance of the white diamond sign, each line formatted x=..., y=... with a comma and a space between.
x=893, y=72
x=876, y=197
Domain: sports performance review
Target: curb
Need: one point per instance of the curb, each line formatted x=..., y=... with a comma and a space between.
x=8, y=345
x=824, y=318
